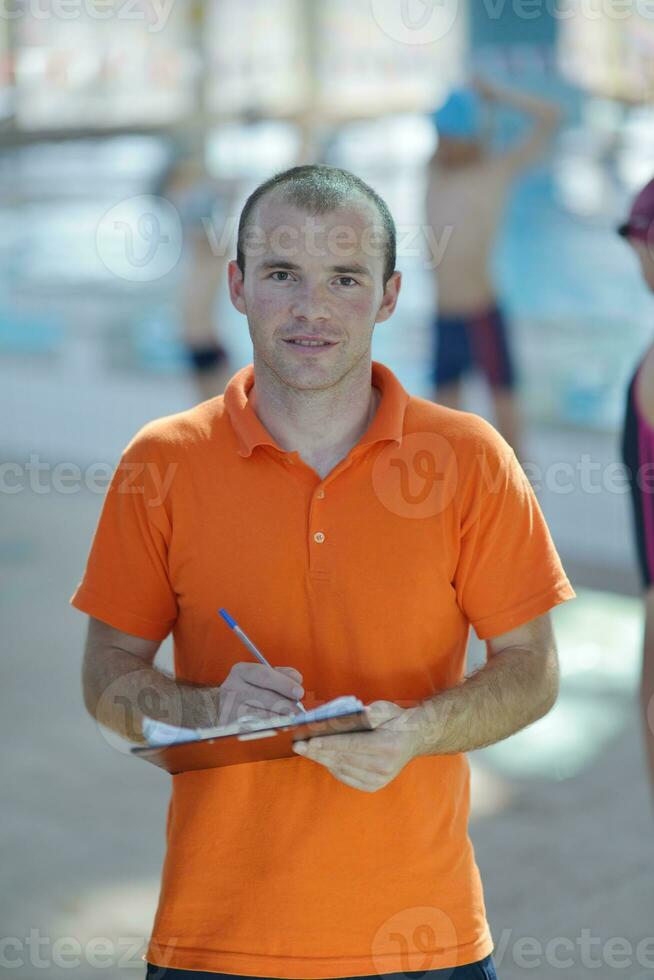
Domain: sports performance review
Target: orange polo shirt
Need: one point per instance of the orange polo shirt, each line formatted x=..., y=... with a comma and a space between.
x=367, y=581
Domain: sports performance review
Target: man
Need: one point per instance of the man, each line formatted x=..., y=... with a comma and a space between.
x=354, y=532
x=638, y=456
x=467, y=186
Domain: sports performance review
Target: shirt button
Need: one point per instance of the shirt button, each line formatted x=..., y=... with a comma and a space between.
x=319, y=537
x=320, y=494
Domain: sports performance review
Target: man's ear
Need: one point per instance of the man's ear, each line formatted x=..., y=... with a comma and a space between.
x=235, y=281
x=389, y=301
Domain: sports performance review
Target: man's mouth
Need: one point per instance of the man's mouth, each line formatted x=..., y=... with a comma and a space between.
x=302, y=342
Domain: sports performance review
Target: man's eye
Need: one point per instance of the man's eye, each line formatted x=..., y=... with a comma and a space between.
x=341, y=278
x=280, y=272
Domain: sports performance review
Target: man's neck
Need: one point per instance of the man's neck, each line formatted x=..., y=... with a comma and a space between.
x=322, y=425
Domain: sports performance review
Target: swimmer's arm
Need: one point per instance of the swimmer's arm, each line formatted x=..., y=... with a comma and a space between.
x=518, y=685
x=545, y=114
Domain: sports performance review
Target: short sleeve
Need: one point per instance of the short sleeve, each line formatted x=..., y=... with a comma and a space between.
x=126, y=582
x=508, y=569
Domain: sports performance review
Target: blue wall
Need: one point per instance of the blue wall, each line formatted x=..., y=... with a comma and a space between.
x=504, y=22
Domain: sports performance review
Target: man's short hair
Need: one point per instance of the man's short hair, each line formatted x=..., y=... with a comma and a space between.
x=318, y=189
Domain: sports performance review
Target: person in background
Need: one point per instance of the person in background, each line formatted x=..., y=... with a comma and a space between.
x=467, y=186
x=638, y=455
x=204, y=203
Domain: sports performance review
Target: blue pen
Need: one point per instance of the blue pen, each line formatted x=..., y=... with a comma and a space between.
x=249, y=644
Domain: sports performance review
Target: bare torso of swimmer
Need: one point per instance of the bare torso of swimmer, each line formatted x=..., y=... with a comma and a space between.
x=464, y=206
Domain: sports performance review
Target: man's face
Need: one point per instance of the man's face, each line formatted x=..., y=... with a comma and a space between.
x=313, y=277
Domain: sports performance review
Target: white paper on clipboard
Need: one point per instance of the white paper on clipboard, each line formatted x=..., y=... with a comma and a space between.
x=158, y=733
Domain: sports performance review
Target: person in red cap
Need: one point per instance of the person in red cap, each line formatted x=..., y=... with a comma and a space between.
x=638, y=456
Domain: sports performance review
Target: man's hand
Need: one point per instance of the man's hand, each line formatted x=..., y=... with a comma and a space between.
x=368, y=760
x=258, y=691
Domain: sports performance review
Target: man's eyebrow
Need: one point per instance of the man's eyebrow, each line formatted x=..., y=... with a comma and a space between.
x=279, y=264
x=353, y=269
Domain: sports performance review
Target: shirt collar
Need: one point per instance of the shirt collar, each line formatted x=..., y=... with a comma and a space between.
x=388, y=422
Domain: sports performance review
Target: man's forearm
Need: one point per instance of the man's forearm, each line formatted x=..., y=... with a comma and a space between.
x=121, y=688
x=515, y=688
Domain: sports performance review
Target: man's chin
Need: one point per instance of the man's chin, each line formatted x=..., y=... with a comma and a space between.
x=309, y=376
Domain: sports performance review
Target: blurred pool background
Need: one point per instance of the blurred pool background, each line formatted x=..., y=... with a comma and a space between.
x=90, y=349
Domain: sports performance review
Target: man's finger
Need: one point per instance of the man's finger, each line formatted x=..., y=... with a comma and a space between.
x=362, y=743
x=354, y=777
x=331, y=759
x=269, y=678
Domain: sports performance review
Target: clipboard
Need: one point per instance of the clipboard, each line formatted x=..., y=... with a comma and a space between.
x=251, y=743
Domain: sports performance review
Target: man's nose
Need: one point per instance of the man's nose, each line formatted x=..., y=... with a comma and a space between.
x=310, y=302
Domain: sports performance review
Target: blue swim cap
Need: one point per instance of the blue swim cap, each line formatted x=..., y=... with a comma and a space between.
x=460, y=115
